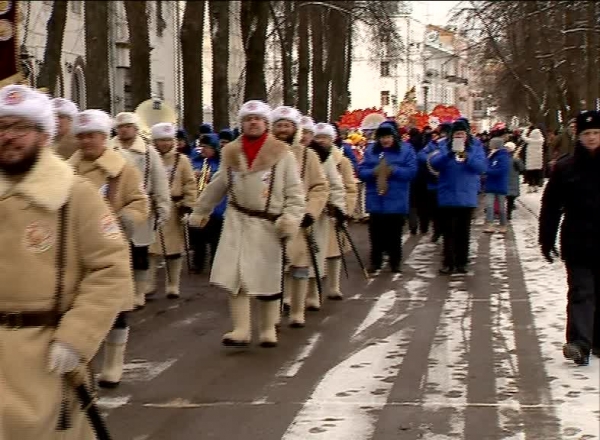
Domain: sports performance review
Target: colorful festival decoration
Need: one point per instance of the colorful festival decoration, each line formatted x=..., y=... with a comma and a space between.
x=352, y=119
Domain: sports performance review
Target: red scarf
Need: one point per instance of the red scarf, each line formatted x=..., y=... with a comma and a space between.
x=251, y=147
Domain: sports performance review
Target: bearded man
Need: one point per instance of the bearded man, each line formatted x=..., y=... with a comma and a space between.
x=65, y=143
x=265, y=206
x=65, y=271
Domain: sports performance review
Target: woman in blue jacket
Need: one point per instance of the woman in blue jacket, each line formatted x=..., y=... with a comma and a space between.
x=496, y=184
x=387, y=169
x=460, y=161
x=205, y=169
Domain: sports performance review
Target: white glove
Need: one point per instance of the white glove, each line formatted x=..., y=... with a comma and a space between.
x=62, y=358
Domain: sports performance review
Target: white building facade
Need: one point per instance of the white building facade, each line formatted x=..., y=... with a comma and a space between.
x=164, y=26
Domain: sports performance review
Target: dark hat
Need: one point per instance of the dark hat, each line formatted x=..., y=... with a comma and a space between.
x=393, y=123
x=181, y=134
x=460, y=125
x=211, y=140
x=464, y=121
x=205, y=129
x=236, y=133
x=587, y=121
x=226, y=135
x=385, y=129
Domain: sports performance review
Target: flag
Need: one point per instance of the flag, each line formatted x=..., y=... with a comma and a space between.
x=10, y=70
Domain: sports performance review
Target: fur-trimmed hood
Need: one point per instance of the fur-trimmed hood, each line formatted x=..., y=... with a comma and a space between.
x=139, y=146
x=270, y=153
x=111, y=162
x=48, y=184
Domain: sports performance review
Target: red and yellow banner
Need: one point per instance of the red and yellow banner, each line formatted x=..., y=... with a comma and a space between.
x=10, y=70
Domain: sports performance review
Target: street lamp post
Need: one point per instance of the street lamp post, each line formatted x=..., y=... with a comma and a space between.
x=425, y=85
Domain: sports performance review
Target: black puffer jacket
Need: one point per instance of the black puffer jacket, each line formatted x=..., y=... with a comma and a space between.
x=573, y=191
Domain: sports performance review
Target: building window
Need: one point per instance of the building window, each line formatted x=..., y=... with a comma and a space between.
x=78, y=88
x=478, y=105
x=160, y=90
x=384, y=68
x=385, y=98
x=128, y=98
x=161, y=24
x=76, y=7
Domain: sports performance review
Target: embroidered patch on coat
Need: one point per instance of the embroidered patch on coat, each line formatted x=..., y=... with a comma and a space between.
x=266, y=180
x=104, y=190
x=38, y=237
x=109, y=227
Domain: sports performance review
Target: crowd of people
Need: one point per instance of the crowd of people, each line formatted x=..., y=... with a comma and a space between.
x=93, y=209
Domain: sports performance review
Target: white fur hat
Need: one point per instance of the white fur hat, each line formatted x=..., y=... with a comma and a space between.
x=90, y=121
x=163, y=130
x=324, y=129
x=287, y=113
x=22, y=101
x=64, y=107
x=255, y=107
x=124, y=118
x=307, y=123
x=510, y=146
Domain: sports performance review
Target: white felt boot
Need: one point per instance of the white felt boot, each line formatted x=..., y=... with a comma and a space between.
x=114, y=357
x=299, y=288
x=269, y=311
x=313, y=302
x=150, y=288
x=334, y=272
x=141, y=286
x=241, y=335
x=172, y=284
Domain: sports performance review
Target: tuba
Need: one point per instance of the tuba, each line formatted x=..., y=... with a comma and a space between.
x=153, y=111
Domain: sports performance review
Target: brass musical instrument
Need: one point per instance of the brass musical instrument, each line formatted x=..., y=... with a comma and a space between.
x=460, y=156
x=382, y=173
x=153, y=111
x=203, y=176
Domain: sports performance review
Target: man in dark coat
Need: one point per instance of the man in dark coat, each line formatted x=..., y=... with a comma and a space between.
x=573, y=191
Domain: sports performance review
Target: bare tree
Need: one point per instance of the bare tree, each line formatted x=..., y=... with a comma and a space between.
x=139, y=51
x=254, y=24
x=55, y=28
x=192, y=36
x=283, y=15
x=97, y=84
x=219, y=21
x=319, y=16
x=303, y=58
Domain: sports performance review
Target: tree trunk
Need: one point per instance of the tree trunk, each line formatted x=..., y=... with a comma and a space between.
x=592, y=78
x=287, y=52
x=219, y=20
x=192, y=33
x=302, y=103
x=139, y=50
x=254, y=25
x=55, y=28
x=97, y=83
x=320, y=81
x=348, y=66
x=336, y=56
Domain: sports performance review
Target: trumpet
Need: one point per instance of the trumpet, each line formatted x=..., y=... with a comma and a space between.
x=460, y=156
x=204, y=176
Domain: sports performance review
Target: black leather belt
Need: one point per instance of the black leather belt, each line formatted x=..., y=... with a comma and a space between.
x=253, y=213
x=16, y=320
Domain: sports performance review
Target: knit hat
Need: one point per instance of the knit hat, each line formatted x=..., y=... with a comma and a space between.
x=464, y=121
x=325, y=129
x=181, y=134
x=589, y=120
x=460, y=125
x=91, y=121
x=22, y=101
x=385, y=129
x=255, y=107
x=226, y=135
x=205, y=129
x=64, y=107
x=287, y=113
x=445, y=128
x=211, y=140
x=125, y=118
x=163, y=130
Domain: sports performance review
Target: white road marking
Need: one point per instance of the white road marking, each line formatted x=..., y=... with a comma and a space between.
x=143, y=371
x=575, y=388
x=343, y=404
x=292, y=369
x=383, y=306
x=108, y=403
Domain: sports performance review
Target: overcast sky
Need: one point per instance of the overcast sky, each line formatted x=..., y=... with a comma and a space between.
x=436, y=11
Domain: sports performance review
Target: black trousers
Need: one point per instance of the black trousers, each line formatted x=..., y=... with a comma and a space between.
x=456, y=229
x=510, y=206
x=583, y=306
x=385, y=235
x=206, y=239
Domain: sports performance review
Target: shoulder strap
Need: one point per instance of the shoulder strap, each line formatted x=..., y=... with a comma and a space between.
x=304, y=159
x=146, y=168
x=174, y=170
x=111, y=193
x=271, y=185
x=61, y=257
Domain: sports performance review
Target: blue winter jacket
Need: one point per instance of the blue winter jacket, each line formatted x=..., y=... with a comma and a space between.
x=498, y=172
x=213, y=165
x=349, y=153
x=432, y=180
x=403, y=161
x=459, y=182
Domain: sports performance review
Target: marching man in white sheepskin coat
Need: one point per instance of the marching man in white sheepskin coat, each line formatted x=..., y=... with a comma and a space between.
x=534, y=158
x=266, y=204
x=65, y=271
